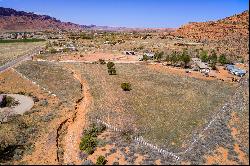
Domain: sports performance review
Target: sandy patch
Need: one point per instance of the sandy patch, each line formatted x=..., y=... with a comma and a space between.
x=25, y=103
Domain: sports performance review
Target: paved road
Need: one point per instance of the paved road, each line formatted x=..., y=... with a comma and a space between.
x=19, y=59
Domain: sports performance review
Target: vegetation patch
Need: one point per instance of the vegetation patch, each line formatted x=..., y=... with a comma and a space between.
x=111, y=68
x=8, y=101
x=21, y=40
x=89, y=140
x=165, y=109
x=126, y=86
x=101, y=160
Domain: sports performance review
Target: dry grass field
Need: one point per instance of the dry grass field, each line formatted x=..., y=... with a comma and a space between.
x=54, y=78
x=165, y=109
x=10, y=51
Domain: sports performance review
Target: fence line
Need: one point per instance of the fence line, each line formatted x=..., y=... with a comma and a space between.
x=140, y=139
x=35, y=83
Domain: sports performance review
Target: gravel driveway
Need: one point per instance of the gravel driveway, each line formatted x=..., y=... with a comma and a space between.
x=25, y=103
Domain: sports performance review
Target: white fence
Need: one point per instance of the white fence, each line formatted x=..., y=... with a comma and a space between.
x=33, y=82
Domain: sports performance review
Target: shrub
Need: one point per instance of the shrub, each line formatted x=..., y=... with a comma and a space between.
x=126, y=86
x=112, y=71
x=101, y=160
x=88, y=143
x=89, y=140
x=110, y=65
x=102, y=62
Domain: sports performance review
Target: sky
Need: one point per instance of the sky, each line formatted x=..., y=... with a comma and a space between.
x=132, y=13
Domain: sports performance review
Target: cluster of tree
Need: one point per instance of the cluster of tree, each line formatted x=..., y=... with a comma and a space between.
x=82, y=35
x=177, y=57
x=158, y=55
x=111, y=68
x=212, y=59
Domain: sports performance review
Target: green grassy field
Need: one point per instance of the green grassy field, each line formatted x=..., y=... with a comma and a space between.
x=165, y=109
x=21, y=40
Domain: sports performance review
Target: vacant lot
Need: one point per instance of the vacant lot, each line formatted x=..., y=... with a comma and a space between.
x=164, y=108
x=54, y=78
x=10, y=51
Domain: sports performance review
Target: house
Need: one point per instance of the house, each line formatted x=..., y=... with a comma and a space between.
x=202, y=67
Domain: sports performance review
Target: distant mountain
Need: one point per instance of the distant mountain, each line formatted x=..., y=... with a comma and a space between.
x=12, y=20
x=230, y=34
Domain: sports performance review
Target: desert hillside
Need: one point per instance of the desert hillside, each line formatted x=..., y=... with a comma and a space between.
x=232, y=32
x=12, y=20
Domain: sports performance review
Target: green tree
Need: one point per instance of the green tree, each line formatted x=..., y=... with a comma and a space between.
x=185, y=58
x=204, y=56
x=126, y=86
x=213, y=58
x=222, y=59
x=174, y=58
x=88, y=143
x=110, y=65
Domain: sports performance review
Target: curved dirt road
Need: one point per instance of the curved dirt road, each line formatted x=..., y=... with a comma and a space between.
x=76, y=125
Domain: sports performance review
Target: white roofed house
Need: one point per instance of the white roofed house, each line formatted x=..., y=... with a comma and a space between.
x=203, y=67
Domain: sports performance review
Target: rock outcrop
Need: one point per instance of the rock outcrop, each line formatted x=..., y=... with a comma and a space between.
x=229, y=35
